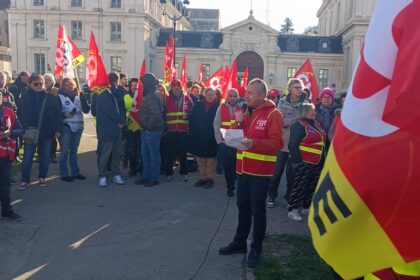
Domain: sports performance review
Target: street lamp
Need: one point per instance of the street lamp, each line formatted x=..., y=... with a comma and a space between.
x=174, y=20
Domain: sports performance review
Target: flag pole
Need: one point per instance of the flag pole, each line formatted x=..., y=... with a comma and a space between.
x=77, y=79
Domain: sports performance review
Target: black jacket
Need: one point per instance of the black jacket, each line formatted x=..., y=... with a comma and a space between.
x=31, y=109
x=19, y=91
x=202, y=142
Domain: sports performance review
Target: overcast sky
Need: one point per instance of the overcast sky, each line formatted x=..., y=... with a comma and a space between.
x=302, y=12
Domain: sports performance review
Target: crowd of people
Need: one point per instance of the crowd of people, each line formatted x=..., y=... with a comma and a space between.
x=176, y=127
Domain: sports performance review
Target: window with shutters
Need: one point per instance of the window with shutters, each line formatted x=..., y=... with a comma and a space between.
x=39, y=29
x=39, y=63
x=116, y=31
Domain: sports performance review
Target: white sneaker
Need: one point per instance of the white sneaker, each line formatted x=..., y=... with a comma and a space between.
x=118, y=180
x=185, y=177
x=102, y=182
x=304, y=211
x=294, y=215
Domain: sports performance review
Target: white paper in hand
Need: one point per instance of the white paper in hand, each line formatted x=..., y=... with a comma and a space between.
x=233, y=138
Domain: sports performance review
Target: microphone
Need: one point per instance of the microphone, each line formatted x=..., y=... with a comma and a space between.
x=244, y=108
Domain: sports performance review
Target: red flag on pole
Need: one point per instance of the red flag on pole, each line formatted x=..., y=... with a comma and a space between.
x=167, y=67
x=365, y=213
x=133, y=121
x=200, y=74
x=96, y=75
x=67, y=55
x=244, y=82
x=143, y=68
x=306, y=74
x=217, y=80
x=232, y=81
x=183, y=76
x=171, y=54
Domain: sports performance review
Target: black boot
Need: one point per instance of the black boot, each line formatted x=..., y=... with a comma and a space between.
x=233, y=248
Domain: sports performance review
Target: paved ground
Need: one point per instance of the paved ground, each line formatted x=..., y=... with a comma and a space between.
x=80, y=231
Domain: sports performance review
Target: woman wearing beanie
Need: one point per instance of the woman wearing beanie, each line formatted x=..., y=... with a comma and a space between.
x=325, y=109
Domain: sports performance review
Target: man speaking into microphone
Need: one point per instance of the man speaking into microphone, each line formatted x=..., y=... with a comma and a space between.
x=262, y=125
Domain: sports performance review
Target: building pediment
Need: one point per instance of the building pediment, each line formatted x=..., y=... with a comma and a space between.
x=250, y=25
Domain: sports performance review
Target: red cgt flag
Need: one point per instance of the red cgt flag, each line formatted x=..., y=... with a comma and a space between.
x=366, y=210
x=96, y=75
x=200, y=74
x=217, y=80
x=306, y=74
x=244, y=82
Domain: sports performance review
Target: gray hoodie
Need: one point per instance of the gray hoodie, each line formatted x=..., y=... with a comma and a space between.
x=292, y=113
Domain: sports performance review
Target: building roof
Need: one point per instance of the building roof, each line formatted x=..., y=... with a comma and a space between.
x=4, y=4
x=192, y=39
x=307, y=44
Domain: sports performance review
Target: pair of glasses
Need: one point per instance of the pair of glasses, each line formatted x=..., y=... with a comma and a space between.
x=38, y=84
x=297, y=87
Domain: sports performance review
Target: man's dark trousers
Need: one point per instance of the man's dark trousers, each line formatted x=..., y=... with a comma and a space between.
x=251, y=195
x=229, y=164
x=5, y=173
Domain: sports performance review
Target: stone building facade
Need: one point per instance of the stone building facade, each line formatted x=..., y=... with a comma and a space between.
x=125, y=30
x=348, y=19
x=129, y=30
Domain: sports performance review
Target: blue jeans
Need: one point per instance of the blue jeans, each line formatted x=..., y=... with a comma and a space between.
x=251, y=194
x=150, y=154
x=44, y=148
x=69, y=144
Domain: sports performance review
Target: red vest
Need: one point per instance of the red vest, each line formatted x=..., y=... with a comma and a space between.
x=7, y=145
x=250, y=162
x=227, y=119
x=175, y=116
x=312, y=145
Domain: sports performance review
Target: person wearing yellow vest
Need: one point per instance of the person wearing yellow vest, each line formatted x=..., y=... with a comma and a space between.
x=132, y=141
x=263, y=138
x=307, y=152
x=178, y=107
x=10, y=128
x=226, y=118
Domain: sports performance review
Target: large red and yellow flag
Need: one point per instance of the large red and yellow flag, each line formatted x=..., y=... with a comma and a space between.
x=366, y=210
x=96, y=75
x=67, y=55
x=183, y=77
x=307, y=75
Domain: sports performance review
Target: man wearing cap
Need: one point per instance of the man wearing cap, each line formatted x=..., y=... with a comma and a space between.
x=274, y=95
x=178, y=107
